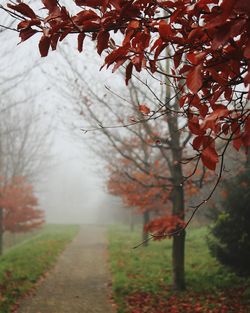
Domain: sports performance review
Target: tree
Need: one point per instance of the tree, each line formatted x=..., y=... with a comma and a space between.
x=18, y=207
x=23, y=153
x=140, y=149
x=230, y=235
x=132, y=146
x=208, y=43
x=144, y=191
x=24, y=144
x=189, y=36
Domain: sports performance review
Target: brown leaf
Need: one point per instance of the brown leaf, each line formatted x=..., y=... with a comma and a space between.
x=44, y=45
x=194, y=79
x=23, y=9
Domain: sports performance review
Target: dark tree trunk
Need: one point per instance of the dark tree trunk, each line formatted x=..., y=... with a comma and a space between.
x=178, y=205
x=146, y=219
x=1, y=231
x=178, y=250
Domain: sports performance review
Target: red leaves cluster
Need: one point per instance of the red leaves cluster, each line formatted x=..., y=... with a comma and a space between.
x=164, y=225
x=209, y=41
x=138, y=193
x=149, y=192
x=190, y=302
x=144, y=109
x=19, y=206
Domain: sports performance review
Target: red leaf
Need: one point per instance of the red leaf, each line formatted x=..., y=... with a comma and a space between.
x=65, y=33
x=197, y=142
x=164, y=225
x=165, y=30
x=115, y=55
x=23, y=9
x=129, y=10
x=184, y=69
x=54, y=41
x=28, y=23
x=102, y=41
x=134, y=24
x=194, y=126
x=209, y=157
x=51, y=5
x=210, y=121
x=194, y=79
x=177, y=59
x=26, y=33
x=89, y=3
x=247, y=50
x=182, y=101
x=129, y=70
x=87, y=15
x=80, y=38
x=220, y=37
x=144, y=109
x=196, y=58
x=118, y=63
x=44, y=45
x=237, y=142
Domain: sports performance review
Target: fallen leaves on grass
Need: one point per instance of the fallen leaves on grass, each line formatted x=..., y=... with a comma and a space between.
x=227, y=301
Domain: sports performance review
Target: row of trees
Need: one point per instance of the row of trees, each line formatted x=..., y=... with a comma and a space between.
x=194, y=92
x=23, y=148
x=141, y=158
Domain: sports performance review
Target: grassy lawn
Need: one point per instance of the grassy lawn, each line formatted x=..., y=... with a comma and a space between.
x=22, y=265
x=12, y=239
x=142, y=277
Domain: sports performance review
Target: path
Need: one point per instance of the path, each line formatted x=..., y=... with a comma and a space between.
x=78, y=283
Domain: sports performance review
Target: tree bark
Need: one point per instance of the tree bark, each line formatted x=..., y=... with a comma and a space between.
x=178, y=249
x=178, y=205
x=146, y=219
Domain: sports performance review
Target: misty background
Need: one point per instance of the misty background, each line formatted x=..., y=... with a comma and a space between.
x=70, y=185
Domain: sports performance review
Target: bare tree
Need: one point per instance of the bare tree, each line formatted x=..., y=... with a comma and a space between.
x=135, y=136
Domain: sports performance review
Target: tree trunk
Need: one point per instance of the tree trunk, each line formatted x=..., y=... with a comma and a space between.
x=146, y=219
x=131, y=220
x=178, y=205
x=1, y=231
x=178, y=249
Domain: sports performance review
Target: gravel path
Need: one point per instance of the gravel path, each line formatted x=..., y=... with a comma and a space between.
x=79, y=281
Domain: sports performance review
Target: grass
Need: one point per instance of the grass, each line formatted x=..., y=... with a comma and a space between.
x=13, y=239
x=22, y=265
x=148, y=270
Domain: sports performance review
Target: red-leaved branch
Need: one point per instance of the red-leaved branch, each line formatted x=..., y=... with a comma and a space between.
x=207, y=42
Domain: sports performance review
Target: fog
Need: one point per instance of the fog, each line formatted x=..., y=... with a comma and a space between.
x=71, y=188
x=73, y=191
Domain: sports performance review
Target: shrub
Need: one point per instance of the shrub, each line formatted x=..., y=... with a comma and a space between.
x=229, y=239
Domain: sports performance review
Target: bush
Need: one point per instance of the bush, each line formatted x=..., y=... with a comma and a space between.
x=229, y=239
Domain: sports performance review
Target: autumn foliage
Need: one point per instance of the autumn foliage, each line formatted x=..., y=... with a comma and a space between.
x=230, y=300
x=20, y=206
x=207, y=42
x=149, y=192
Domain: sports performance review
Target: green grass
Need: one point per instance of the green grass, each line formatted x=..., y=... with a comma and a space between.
x=13, y=239
x=149, y=269
x=22, y=265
